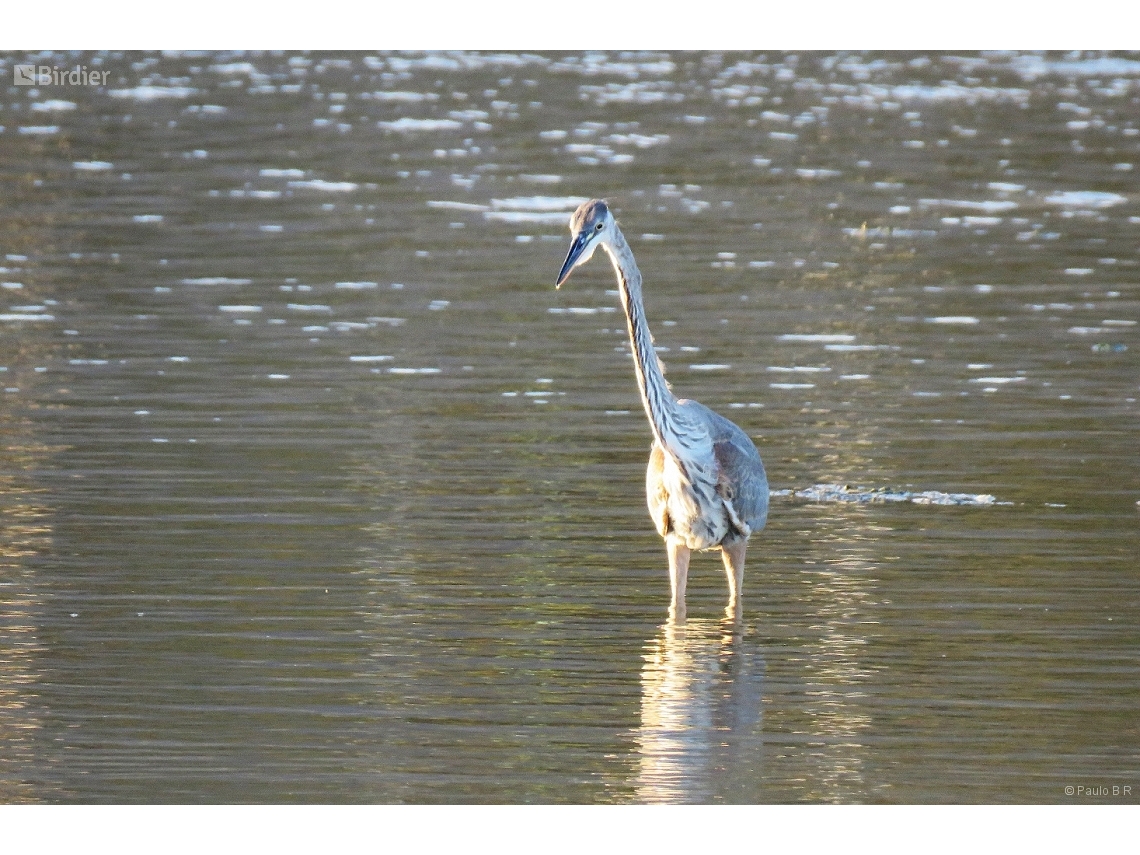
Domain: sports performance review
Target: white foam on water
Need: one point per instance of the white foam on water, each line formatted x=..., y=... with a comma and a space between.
x=404, y=97
x=39, y=130
x=637, y=140
x=228, y=68
x=438, y=305
x=414, y=370
x=92, y=165
x=516, y=217
x=539, y=203
x=326, y=186
x=240, y=309
x=989, y=206
x=53, y=105
x=153, y=93
x=216, y=280
x=598, y=64
x=791, y=385
x=638, y=92
x=709, y=366
x=1085, y=199
x=448, y=205
x=818, y=173
x=255, y=194
x=356, y=286
x=1102, y=330
x=863, y=495
x=964, y=320
x=1031, y=66
x=581, y=310
x=946, y=91
x=147, y=218
x=858, y=348
x=409, y=125
x=307, y=307
x=996, y=381
x=799, y=369
x=272, y=172
x=817, y=337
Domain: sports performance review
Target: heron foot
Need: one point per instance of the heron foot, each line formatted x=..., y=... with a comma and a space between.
x=677, y=612
x=734, y=611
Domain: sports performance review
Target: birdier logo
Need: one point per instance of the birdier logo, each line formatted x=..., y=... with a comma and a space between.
x=26, y=74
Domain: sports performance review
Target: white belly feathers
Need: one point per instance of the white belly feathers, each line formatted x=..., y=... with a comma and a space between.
x=699, y=516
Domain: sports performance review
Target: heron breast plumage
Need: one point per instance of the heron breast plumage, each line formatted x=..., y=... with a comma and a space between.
x=714, y=497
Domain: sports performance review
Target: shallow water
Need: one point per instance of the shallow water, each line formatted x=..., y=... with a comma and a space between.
x=316, y=489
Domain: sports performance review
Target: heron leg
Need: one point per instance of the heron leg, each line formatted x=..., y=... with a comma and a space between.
x=678, y=576
x=734, y=568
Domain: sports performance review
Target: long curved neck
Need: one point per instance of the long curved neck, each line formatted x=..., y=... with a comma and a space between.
x=659, y=401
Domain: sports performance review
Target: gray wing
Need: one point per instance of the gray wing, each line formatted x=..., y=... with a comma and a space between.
x=741, y=469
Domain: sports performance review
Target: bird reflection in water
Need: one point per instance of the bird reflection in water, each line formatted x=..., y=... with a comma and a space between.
x=700, y=738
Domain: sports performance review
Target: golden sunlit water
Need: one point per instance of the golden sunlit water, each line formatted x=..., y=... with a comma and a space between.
x=316, y=490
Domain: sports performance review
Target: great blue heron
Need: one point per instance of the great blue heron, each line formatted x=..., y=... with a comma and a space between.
x=705, y=483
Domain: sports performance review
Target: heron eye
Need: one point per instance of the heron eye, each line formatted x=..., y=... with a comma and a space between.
x=598, y=226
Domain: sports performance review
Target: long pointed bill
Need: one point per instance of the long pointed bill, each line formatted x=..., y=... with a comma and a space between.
x=576, y=250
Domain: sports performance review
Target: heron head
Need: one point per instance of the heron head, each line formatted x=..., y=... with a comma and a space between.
x=592, y=224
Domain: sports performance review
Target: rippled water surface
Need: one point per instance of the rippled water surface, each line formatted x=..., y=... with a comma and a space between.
x=315, y=489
